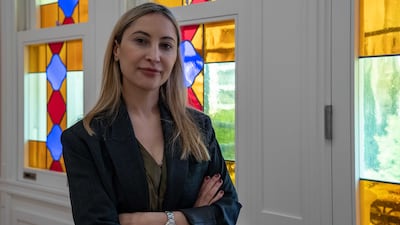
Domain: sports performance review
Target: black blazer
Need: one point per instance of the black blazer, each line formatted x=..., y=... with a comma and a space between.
x=106, y=173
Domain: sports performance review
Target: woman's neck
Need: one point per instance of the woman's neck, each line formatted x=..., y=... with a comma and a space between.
x=141, y=104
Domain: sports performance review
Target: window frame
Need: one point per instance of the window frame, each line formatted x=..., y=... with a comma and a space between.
x=30, y=35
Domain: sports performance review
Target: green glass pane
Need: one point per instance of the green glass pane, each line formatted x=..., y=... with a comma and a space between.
x=219, y=103
x=379, y=118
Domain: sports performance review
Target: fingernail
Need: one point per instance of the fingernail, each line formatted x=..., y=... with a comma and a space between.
x=207, y=177
x=217, y=175
x=221, y=191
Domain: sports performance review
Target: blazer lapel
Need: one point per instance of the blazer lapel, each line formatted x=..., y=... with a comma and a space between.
x=127, y=161
x=177, y=169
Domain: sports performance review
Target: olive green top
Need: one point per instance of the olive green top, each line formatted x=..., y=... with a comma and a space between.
x=156, y=179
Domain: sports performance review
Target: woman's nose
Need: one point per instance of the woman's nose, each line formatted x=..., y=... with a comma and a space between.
x=153, y=54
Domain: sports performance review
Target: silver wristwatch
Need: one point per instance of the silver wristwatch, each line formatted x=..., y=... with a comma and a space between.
x=171, y=218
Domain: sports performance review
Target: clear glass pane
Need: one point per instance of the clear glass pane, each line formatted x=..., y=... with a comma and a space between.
x=379, y=118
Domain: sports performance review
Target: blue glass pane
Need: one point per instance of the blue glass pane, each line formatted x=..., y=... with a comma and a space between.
x=56, y=72
x=67, y=6
x=192, y=62
x=54, y=142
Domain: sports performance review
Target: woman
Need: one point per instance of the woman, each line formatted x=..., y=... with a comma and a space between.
x=141, y=156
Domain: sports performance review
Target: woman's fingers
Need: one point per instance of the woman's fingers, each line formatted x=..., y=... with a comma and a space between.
x=209, y=191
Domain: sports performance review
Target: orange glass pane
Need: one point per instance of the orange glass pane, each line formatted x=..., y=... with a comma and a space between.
x=198, y=39
x=36, y=151
x=48, y=15
x=174, y=3
x=74, y=55
x=198, y=87
x=80, y=14
x=49, y=159
x=169, y=3
x=380, y=203
x=230, y=165
x=219, y=45
x=379, y=27
x=61, y=17
x=37, y=58
x=83, y=11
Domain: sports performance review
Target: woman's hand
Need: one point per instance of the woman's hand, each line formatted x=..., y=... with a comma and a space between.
x=209, y=191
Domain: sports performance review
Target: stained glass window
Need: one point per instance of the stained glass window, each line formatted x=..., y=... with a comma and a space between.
x=175, y=3
x=53, y=100
x=208, y=52
x=378, y=111
x=61, y=12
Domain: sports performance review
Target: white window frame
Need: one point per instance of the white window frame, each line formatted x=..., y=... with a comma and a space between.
x=33, y=35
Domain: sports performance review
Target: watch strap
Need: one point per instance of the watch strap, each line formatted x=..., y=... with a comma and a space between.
x=170, y=217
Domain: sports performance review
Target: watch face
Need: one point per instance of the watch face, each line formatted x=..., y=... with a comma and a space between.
x=170, y=223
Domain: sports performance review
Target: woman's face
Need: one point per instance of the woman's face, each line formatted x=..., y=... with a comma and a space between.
x=147, y=52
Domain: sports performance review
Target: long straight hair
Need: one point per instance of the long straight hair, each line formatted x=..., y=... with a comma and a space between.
x=173, y=93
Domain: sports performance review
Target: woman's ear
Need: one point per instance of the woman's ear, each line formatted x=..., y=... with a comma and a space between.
x=116, y=51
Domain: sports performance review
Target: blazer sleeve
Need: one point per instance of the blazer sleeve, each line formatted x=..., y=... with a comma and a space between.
x=91, y=203
x=226, y=210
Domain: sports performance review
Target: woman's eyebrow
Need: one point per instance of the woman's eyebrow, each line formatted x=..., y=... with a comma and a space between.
x=148, y=35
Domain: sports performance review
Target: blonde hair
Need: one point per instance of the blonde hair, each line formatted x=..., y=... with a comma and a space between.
x=173, y=93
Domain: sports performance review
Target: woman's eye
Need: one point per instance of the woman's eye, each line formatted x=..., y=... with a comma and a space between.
x=140, y=41
x=166, y=46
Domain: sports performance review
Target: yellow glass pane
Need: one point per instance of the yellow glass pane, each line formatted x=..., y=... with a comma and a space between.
x=63, y=92
x=198, y=87
x=74, y=55
x=37, y=58
x=197, y=40
x=41, y=155
x=49, y=92
x=62, y=163
x=36, y=149
x=61, y=16
x=379, y=203
x=219, y=45
x=63, y=53
x=48, y=15
x=230, y=165
x=169, y=3
x=49, y=160
x=83, y=11
x=379, y=27
x=174, y=3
